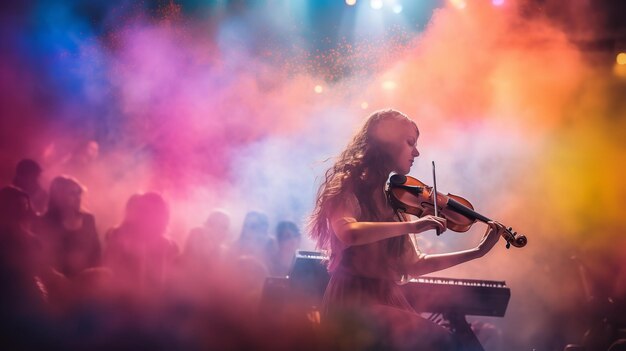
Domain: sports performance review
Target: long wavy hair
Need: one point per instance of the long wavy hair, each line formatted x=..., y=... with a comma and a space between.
x=359, y=169
x=59, y=186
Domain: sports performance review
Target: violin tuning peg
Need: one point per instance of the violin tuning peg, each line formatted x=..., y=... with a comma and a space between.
x=510, y=228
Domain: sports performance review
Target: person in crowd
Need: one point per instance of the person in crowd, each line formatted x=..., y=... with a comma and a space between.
x=29, y=288
x=255, y=239
x=83, y=156
x=20, y=250
x=138, y=251
x=207, y=245
x=27, y=177
x=67, y=230
x=287, y=242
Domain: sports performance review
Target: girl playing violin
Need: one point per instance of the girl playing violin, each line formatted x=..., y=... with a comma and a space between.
x=368, y=243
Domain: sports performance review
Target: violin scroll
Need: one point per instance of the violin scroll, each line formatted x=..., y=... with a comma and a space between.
x=512, y=238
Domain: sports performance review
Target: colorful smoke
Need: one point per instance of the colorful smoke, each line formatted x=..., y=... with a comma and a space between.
x=238, y=106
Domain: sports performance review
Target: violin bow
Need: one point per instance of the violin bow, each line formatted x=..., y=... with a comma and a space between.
x=435, y=194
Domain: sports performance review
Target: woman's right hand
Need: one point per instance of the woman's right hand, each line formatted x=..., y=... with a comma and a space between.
x=430, y=222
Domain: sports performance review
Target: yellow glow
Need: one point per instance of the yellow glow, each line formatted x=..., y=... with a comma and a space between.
x=389, y=85
x=350, y=2
x=364, y=105
x=459, y=4
x=621, y=58
x=318, y=89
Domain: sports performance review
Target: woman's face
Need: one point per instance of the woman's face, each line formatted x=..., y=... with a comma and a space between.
x=399, y=138
x=405, y=150
x=69, y=197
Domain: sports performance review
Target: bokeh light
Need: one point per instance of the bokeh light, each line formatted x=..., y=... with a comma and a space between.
x=459, y=4
x=376, y=4
x=389, y=85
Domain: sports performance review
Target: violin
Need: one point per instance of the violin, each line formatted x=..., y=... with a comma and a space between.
x=410, y=195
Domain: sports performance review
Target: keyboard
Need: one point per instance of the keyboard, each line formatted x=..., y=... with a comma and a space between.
x=460, y=296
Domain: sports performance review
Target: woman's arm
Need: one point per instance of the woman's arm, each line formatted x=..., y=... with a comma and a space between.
x=436, y=262
x=352, y=233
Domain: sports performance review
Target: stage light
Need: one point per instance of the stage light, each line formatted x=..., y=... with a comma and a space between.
x=497, y=2
x=397, y=8
x=350, y=2
x=621, y=58
x=376, y=4
x=364, y=105
x=389, y=85
x=318, y=89
x=459, y=4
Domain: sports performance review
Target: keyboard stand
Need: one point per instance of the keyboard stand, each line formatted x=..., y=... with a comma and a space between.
x=463, y=332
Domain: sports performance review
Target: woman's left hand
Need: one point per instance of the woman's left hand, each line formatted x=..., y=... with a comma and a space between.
x=493, y=233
